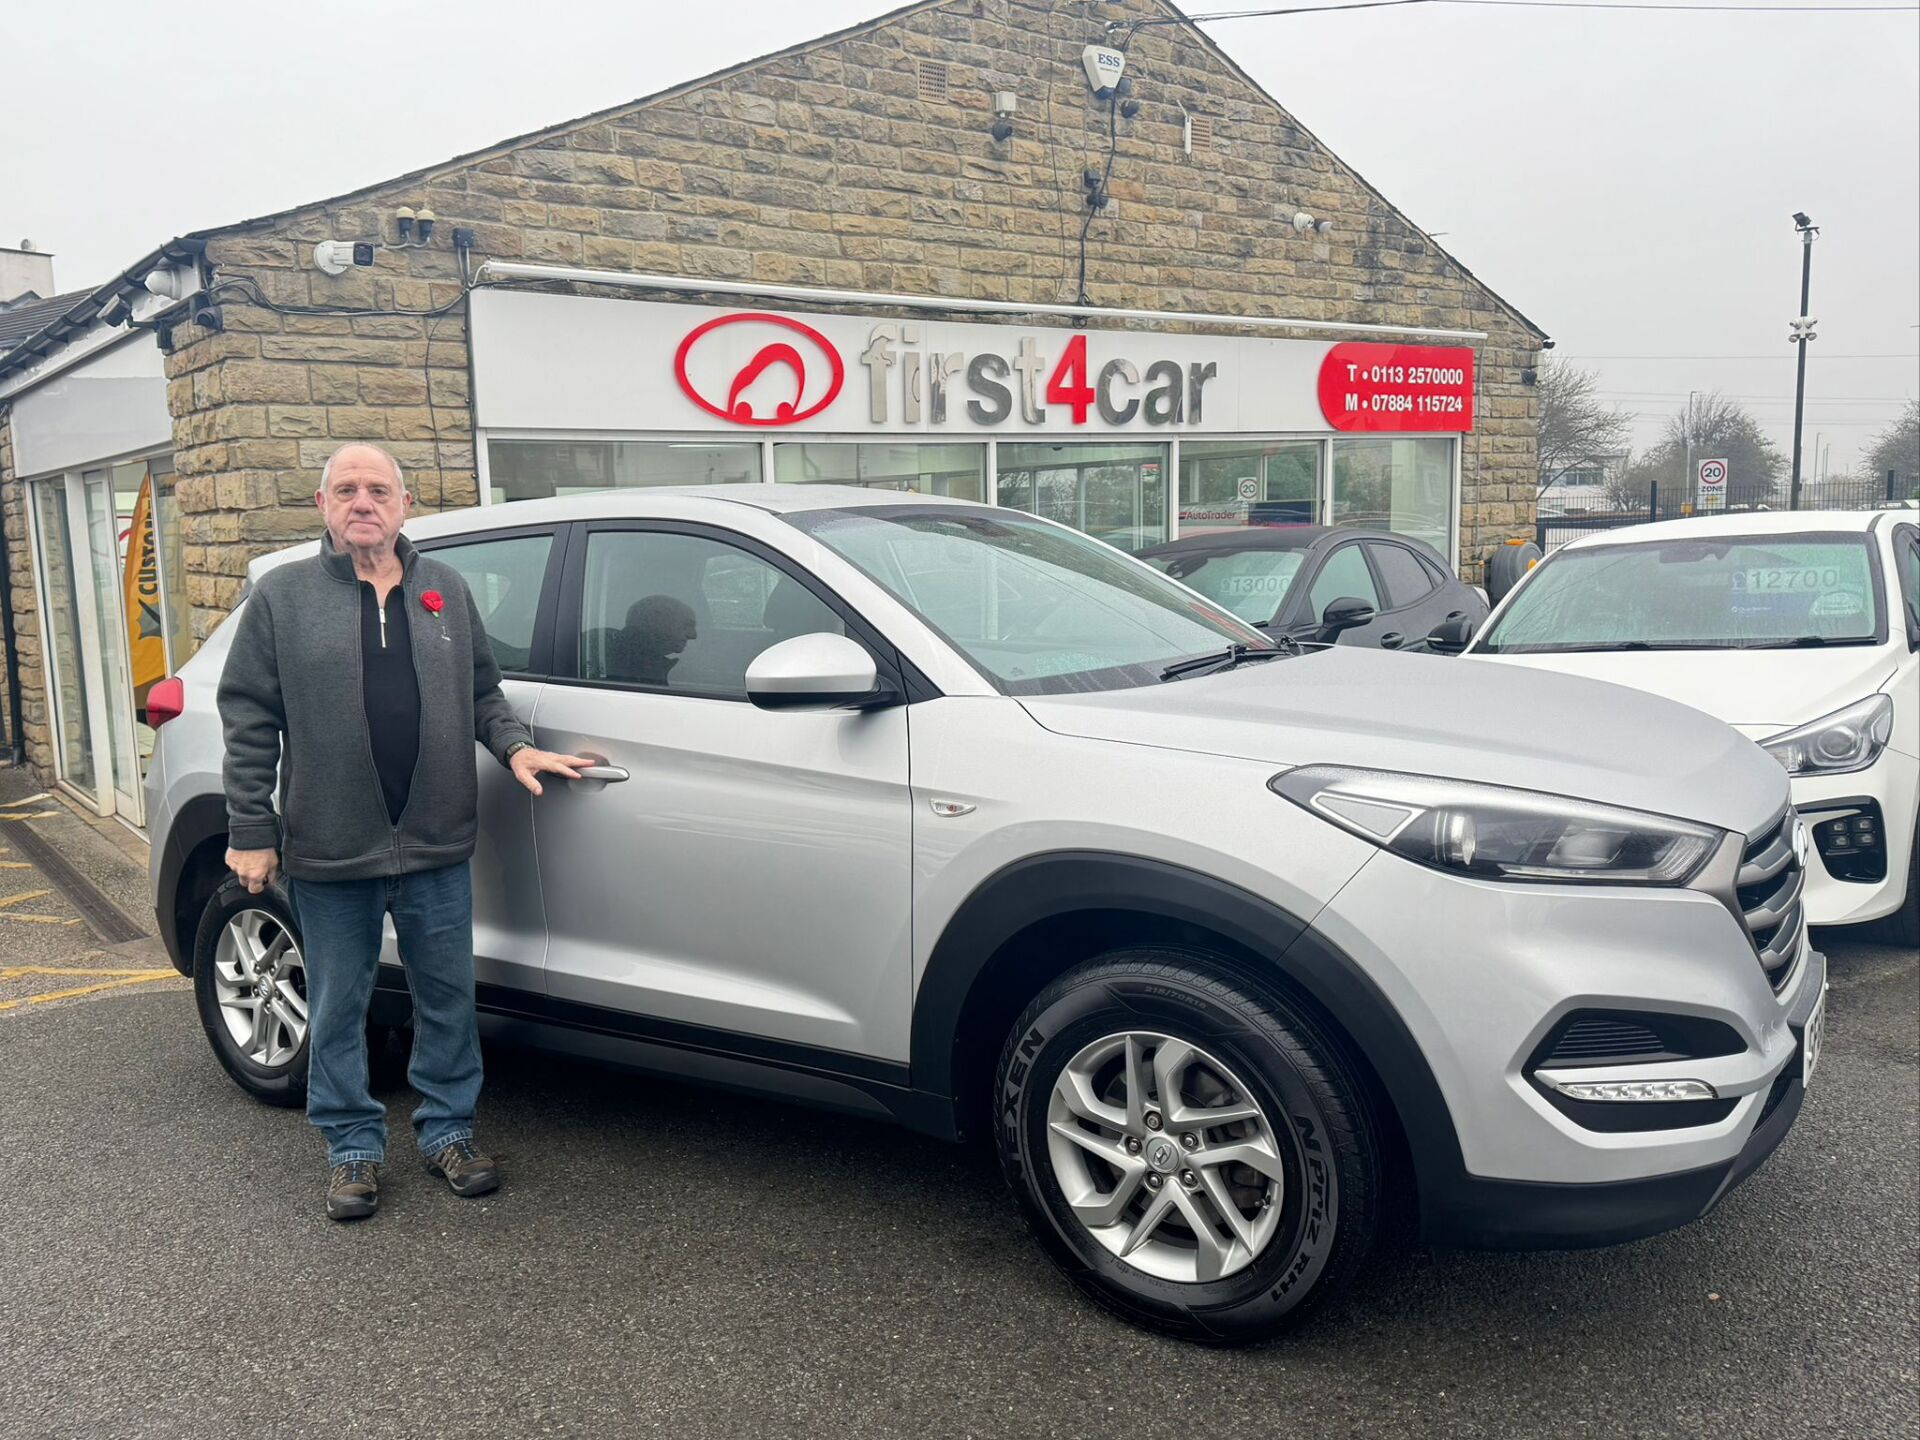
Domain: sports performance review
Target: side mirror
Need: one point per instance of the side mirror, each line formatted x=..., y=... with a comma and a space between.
x=1450, y=637
x=816, y=672
x=1343, y=614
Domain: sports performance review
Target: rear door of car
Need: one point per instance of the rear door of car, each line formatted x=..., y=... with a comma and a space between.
x=743, y=880
x=514, y=575
x=1417, y=595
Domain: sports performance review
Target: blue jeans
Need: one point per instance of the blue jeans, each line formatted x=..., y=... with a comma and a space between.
x=340, y=931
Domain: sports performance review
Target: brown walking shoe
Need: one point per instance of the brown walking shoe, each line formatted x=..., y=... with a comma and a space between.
x=353, y=1190
x=466, y=1171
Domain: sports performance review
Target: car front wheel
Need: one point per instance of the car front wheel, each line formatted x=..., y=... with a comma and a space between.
x=1188, y=1144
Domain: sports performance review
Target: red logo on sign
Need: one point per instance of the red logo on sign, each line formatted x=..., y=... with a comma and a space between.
x=789, y=364
x=1397, y=387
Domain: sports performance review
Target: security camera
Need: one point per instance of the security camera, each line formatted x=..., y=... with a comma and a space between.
x=116, y=312
x=1800, y=220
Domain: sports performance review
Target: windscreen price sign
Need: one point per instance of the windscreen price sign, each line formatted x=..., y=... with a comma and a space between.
x=1421, y=388
x=1713, y=485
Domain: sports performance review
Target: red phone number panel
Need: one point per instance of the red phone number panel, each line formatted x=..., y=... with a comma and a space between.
x=1397, y=387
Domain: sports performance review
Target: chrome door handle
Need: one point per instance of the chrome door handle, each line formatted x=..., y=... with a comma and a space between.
x=606, y=774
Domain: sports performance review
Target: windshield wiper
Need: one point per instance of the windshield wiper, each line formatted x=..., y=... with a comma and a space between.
x=1807, y=641
x=1234, y=654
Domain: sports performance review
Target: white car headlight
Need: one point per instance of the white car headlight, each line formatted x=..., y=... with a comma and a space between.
x=1849, y=739
x=1496, y=833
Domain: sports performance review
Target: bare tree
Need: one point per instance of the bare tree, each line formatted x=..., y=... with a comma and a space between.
x=1897, y=448
x=1576, y=429
x=1716, y=429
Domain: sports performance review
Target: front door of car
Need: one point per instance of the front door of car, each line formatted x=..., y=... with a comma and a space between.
x=510, y=573
x=1342, y=574
x=744, y=871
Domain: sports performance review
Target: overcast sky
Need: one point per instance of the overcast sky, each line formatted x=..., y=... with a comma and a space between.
x=1625, y=179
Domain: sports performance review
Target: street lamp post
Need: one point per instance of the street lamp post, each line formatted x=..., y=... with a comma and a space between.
x=1802, y=333
x=1689, y=481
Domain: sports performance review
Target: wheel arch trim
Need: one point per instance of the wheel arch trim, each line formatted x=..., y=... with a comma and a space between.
x=1058, y=884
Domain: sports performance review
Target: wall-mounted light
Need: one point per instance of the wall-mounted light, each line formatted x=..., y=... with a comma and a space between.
x=414, y=226
x=1302, y=221
x=1005, y=102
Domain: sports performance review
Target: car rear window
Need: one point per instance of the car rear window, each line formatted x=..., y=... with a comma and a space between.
x=1251, y=583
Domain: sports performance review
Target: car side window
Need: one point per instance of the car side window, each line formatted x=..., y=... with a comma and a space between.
x=1406, y=579
x=1344, y=575
x=686, y=613
x=505, y=577
x=1906, y=555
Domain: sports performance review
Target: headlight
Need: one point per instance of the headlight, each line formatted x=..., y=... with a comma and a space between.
x=1495, y=833
x=1849, y=739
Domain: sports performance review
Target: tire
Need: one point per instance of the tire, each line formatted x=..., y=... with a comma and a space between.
x=1507, y=566
x=272, y=1068
x=1307, y=1218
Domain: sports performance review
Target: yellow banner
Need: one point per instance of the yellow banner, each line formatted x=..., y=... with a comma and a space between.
x=146, y=643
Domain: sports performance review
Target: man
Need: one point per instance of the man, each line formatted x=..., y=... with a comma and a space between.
x=364, y=677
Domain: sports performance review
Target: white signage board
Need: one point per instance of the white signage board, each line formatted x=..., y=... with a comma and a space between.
x=1713, y=485
x=562, y=362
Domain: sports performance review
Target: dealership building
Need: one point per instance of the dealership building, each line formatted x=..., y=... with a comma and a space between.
x=939, y=252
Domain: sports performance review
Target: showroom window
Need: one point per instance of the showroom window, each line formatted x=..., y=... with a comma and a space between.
x=537, y=469
x=959, y=471
x=1405, y=486
x=1116, y=493
x=1225, y=484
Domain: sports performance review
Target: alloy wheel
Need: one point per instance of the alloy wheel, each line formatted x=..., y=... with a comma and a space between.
x=1165, y=1157
x=261, y=984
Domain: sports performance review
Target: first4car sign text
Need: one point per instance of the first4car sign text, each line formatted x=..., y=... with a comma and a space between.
x=647, y=366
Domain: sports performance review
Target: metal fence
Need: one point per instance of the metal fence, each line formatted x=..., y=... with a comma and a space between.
x=1851, y=492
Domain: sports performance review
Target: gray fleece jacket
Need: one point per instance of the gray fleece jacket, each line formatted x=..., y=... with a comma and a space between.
x=290, y=699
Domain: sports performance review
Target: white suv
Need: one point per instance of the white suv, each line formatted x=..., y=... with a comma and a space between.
x=932, y=811
x=1801, y=630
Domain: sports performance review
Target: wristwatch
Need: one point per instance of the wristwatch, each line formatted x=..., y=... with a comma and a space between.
x=516, y=747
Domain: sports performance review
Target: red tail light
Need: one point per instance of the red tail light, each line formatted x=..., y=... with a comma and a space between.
x=165, y=700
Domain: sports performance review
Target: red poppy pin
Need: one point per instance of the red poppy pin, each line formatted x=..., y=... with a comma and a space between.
x=433, y=600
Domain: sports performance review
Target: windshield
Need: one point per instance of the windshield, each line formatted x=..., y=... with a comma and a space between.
x=1250, y=583
x=1040, y=609
x=1707, y=593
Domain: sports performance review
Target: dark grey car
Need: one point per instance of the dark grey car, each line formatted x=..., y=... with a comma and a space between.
x=1317, y=583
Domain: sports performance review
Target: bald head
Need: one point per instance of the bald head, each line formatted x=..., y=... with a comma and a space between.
x=363, y=497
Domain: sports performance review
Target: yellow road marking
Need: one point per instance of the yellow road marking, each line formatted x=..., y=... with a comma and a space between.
x=28, y=800
x=37, y=815
x=13, y=864
x=36, y=919
x=6, y=1005
x=14, y=972
x=24, y=895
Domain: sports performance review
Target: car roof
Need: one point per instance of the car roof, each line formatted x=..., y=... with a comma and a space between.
x=666, y=502
x=640, y=501
x=1246, y=537
x=1757, y=522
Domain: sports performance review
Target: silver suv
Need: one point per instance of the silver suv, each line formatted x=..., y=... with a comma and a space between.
x=927, y=810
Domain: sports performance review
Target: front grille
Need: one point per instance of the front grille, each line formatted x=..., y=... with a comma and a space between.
x=1591, y=1039
x=1768, y=891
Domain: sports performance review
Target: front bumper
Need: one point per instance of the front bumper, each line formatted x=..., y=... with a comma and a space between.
x=1891, y=785
x=1482, y=974
x=1532, y=1215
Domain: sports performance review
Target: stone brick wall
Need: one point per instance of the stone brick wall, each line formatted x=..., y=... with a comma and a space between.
x=821, y=166
x=26, y=611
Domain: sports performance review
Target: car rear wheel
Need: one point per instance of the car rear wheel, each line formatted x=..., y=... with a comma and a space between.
x=250, y=987
x=1189, y=1145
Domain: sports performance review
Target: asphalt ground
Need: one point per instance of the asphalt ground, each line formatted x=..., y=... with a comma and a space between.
x=670, y=1261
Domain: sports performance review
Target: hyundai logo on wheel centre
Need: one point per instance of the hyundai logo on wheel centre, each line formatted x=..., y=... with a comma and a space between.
x=634, y=364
